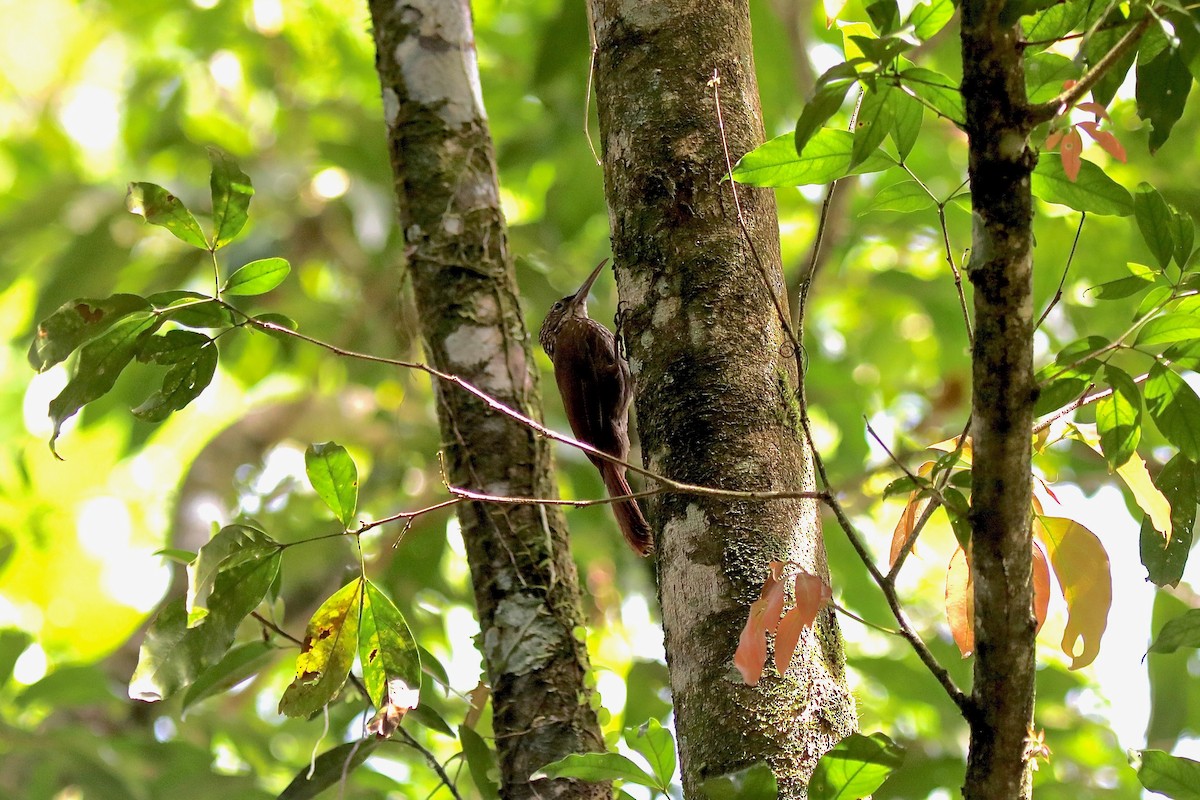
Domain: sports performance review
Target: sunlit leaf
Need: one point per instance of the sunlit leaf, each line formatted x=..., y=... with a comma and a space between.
x=1081, y=565
x=939, y=91
x=855, y=767
x=656, y=744
x=755, y=782
x=905, y=197
x=160, y=207
x=1141, y=280
x=330, y=642
x=826, y=158
x=906, y=525
x=751, y=653
x=386, y=647
x=1168, y=329
x=333, y=475
x=1119, y=418
x=59, y=334
x=960, y=602
x=928, y=19
x=231, y=545
x=1175, y=409
x=1092, y=191
x=907, y=113
x=257, y=277
x=231, y=193
x=1174, y=776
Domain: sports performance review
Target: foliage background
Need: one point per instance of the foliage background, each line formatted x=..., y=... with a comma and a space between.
x=102, y=93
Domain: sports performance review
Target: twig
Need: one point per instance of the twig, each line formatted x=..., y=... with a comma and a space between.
x=363, y=527
x=1067, y=268
x=847, y=612
x=1083, y=400
x=430, y=759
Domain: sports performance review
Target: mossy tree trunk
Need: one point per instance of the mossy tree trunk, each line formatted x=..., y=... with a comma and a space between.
x=716, y=380
x=525, y=581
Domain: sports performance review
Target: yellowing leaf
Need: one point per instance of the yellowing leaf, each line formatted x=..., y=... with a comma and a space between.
x=1151, y=500
x=1081, y=565
x=960, y=602
x=327, y=654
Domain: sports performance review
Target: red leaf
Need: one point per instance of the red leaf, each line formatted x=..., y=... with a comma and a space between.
x=1041, y=585
x=1070, y=150
x=811, y=594
x=751, y=653
x=1053, y=139
x=1094, y=108
x=1106, y=139
x=960, y=602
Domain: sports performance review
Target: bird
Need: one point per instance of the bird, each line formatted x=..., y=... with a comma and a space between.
x=596, y=390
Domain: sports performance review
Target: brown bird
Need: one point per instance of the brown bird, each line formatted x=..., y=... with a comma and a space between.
x=596, y=389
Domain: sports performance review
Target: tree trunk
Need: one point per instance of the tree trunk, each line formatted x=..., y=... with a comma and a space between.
x=717, y=382
x=1001, y=271
x=525, y=581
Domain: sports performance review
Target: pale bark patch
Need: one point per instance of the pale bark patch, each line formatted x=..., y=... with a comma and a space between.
x=439, y=63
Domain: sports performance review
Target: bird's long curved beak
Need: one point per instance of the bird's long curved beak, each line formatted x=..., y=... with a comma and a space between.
x=580, y=298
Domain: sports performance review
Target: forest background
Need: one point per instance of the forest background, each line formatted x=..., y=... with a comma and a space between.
x=107, y=93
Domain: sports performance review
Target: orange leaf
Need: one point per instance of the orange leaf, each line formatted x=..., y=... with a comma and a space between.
x=1106, y=139
x=1041, y=586
x=811, y=594
x=1081, y=565
x=1094, y=108
x=1054, y=138
x=960, y=602
x=751, y=653
x=1070, y=150
x=904, y=528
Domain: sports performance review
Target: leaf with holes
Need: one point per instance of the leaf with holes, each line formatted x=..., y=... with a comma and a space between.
x=330, y=642
x=182, y=384
x=386, y=649
x=59, y=334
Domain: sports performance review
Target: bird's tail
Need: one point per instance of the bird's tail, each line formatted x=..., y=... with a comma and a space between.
x=629, y=516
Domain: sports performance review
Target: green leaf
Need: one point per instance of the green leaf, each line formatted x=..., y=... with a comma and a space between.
x=885, y=15
x=1097, y=46
x=231, y=193
x=13, y=643
x=1183, y=355
x=1175, y=409
x=830, y=92
x=481, y=761
x=330, y=642
x=1153, y=301
x=1119, y=418
x=1045, y=74
x=755, y=782
x=1168, y=329
x=75, y=322
x=173, y=347
x=100, y=364
x=334, y=476
x=1176, y=777
x=1064, y=387
x=597, y=767
x=929, y=18
x=826, y=158
x=1092, y=190
x=873, y=122
x=257, y=277
x=173, y=655
x=1165, y=560
x=182, y=384
x=232, y=545
x=907, y=113
x=160, y=207
x=1182, y=631
x=1141, y=280
x=656, y=744
x=192, y=309
x=1155, y=221
x=1162, y=88
x=328, y=769
x=906, y=197
x=1055, y=21
x=423, y=714
x=386, y=647
x=1183, y=233
x=240, y=663
x=280, y=320
x=855, y=767
x=939, y=91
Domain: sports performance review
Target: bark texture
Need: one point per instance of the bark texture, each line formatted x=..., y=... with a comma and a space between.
x=716, y=381
x=525, y=581
x=1001, y=271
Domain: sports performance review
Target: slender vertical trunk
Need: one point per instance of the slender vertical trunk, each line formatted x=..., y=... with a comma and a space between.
x=525, y=582
x=1001, y=271
x=716, y=380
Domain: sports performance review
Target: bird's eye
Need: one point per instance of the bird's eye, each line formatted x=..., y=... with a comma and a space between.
x=558, y=306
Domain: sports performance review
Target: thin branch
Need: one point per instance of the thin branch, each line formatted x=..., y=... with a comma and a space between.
x=1083, y=400
x=1067, y=268
x=848, y=613
x=268, y=624
x=363, y=527
x=430, y=759
x=1067, y=99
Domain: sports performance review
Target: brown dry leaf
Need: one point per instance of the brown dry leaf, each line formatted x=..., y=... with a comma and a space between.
x=904, y=528
x=960, y=602
x=1081, y=565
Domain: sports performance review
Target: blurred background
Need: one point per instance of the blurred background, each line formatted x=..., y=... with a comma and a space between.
x=95, y=94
